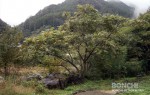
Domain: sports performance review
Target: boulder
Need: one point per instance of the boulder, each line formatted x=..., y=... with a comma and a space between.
x=55, y=80
x=56, y=76
x=51, y=76
x=74, y=79
x=51, y=83
x=56, y=83
x=35, y=76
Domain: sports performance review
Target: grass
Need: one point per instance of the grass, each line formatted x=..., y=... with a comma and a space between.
x=88, y=85
x=144, y=85
x=14, y=86
x=15, y=89
x=33, y=88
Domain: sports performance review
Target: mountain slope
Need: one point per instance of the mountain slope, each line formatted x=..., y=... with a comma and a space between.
x=52, y=15
x=3, y=25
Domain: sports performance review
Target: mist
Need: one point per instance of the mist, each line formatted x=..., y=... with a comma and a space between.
x=141, y=6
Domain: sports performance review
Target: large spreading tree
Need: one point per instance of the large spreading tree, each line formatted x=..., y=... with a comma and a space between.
x=83, y=35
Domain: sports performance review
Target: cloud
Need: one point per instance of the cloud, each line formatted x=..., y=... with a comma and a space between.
x=141, y=6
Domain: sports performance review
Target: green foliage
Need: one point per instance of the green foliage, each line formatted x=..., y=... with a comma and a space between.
x=86, y=19
x=32, y=83
x=140, y=46
x=40, y=89
x=81, y=36
x=51, y=63
x=143, y=85
x=9, y=47
x=133, y=67
x=89, y=43
x=109, y=64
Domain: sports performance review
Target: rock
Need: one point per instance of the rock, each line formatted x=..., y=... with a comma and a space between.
x=51, y=76
x=56, y=83
x=56, y=76
x=51, y=83
x=60, y=76
x=36, y=76
x=55, y=80
x=1, y=79
x=74, y=79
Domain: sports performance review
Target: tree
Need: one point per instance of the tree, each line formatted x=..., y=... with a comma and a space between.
x=140, y=48
x=81, y=36
x=9, y=47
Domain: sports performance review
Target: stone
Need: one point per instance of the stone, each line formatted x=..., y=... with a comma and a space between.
x=55, y=80
x=51, y=83
x=74, y=79
x=36, y=76
x=56, y=76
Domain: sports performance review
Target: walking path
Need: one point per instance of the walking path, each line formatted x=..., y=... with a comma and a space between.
x=98, y=92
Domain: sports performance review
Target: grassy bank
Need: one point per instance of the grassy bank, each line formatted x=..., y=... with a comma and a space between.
x=15, y=86
x=144, y=85
x=33, y=88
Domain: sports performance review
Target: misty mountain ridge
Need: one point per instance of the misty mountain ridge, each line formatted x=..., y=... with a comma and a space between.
x=140, y=8
x=51, y=16
x=3, y=25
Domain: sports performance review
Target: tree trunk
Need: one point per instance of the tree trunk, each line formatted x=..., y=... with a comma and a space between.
x=5, y=70
x=84, y=69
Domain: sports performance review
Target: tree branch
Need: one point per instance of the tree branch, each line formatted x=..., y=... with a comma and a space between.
x=70, y=56
x=66, y=60
x=102, y=42
x=63, y=67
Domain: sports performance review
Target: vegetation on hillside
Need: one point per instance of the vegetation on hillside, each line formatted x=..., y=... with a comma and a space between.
x=3, y=25
x=51, y=16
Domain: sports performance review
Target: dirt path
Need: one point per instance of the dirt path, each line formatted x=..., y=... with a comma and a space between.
x=98, y=92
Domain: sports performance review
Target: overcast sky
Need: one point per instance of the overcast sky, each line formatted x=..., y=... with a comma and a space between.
x=16, y=11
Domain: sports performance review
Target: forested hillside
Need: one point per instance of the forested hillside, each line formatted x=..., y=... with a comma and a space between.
x=52, y=15
x=3, y=25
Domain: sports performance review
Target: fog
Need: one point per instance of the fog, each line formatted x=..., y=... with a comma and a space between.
x=140, y=6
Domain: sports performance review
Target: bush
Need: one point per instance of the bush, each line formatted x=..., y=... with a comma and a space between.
x=40, y=89
x=109, y=64
x=29, y=83
x=50, y=63
x=133, y=68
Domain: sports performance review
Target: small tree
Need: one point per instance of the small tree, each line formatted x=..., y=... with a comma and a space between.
x=9, y=47
x=140, y=48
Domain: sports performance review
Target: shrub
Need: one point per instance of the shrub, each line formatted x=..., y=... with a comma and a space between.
x=133, y=67
x=29, y=83
x=40, y=89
